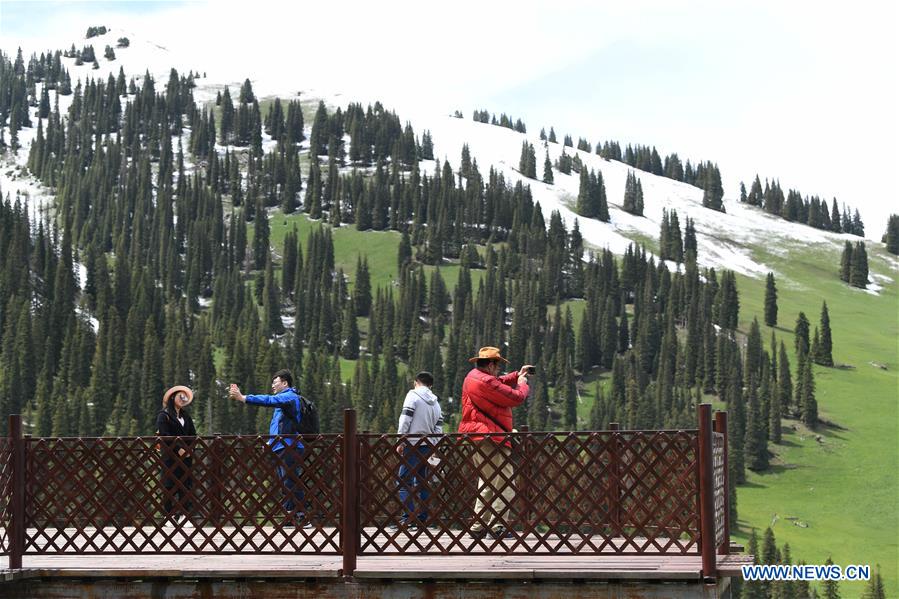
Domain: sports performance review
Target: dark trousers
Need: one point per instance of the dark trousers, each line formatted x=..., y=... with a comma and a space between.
x=413, y=480
x=177, y=482
x=289, y=471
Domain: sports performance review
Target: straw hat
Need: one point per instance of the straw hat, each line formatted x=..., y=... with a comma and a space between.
x=176, y=389
x=488, y=353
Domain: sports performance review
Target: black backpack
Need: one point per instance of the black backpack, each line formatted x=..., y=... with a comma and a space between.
x=308, y=418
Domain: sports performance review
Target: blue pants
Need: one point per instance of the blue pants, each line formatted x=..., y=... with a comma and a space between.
x=414, y=477
x=289, y=471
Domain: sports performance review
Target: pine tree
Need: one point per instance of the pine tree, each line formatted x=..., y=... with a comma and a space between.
x=770, y=301
x=586, y=346
x=824, y=356
x=775, y=410
x=858, y=276
x=753, y=589
x=858, y=227
x=624, y=342
x=362, y=288
x=676, y=245
x=633, y=195
x=769, y=555
x=713, y=192
x=548, y=170
x=891, y=237
x=846, y=263
x=808, y=404
x=769, y=547
x=664, y=236
x=260, y=235
x=610, y=334
x=755, y=450
x=527, y=164
x=874, y=588
x=319, y=134
x=271, y=305
x=538, y=410
x=727, y=302
x=801, y=335
x=754, y=352
x=815, y=348
x=599, y=190
x=404, y=251
x=349, y=336
x=831, y=587
x=731, y=391
x=567, y=392
x=289, y=265
x=585, y=206
x=690, y=244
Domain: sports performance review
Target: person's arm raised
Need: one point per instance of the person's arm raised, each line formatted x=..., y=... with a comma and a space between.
x=503, y=394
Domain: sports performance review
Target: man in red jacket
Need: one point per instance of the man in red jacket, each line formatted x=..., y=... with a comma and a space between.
x=487, y=402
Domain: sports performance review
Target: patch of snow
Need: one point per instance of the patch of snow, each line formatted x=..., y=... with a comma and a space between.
x=81, y=269
x=95, y=324
x=873, y=289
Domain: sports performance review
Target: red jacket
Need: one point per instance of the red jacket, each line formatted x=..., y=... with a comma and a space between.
x=486, y=398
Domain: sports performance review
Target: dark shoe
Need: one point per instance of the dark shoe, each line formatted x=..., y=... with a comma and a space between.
x=403, y=523
x=300, y=521
x=478, y=534
x=500, y=532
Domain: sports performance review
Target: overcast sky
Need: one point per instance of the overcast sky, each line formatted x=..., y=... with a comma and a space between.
x=805, y=92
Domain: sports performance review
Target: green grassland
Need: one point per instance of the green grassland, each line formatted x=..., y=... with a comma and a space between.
x=839, y=481
x=832, y=492
x=380, y=247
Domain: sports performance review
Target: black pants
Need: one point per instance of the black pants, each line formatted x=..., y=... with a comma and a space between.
x=289, y=471
x=177, y=482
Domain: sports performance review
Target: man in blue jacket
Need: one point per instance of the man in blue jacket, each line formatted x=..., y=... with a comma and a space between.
x=285, y=421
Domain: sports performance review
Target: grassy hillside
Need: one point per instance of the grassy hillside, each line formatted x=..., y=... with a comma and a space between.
x=840, y=481
x=837, y=484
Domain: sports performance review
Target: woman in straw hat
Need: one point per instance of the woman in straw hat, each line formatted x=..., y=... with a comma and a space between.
x=174, y=421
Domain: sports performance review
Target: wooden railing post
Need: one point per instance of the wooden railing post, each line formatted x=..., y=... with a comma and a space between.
x=721, y=427
x=349, y=536
x=216, y=462
x=524, y=478
x=17, y=501
x=706, y=492
x=615, y=486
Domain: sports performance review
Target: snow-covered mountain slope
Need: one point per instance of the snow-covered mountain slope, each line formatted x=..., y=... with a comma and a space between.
x=730, y=240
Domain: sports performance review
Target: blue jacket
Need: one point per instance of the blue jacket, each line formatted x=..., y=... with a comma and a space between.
x=286, y=404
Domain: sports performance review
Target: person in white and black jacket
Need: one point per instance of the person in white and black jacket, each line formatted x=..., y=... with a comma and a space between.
x=421, y=419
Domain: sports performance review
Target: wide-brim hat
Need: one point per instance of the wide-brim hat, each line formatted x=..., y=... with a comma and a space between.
x=488, y=353
x=176, y=389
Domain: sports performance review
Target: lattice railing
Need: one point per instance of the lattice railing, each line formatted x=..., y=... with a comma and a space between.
x=547, y=493
x=5, y=493
x=719, y=470
x=90, y=495
x=598, y=492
